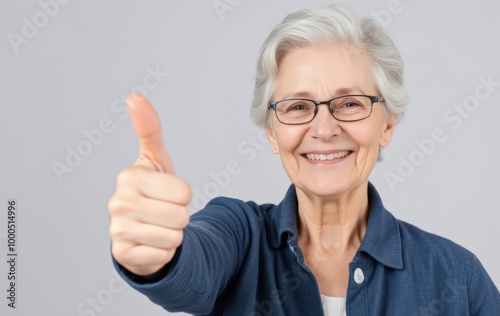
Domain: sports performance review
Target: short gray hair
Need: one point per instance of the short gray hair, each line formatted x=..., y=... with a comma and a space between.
x=336, y=23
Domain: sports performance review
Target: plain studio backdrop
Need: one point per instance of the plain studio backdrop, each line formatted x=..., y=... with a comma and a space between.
x=66, y=67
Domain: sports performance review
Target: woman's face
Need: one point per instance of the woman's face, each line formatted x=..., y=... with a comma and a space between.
x=321, y=73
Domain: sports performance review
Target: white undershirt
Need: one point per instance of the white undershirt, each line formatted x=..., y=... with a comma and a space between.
x=333, y=306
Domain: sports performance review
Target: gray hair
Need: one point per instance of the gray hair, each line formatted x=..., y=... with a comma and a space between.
x=336, y=23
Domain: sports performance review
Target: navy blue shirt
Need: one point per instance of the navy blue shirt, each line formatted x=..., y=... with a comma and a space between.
x=240, y=258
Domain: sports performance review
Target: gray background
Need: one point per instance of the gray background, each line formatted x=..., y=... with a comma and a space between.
x=71, y=75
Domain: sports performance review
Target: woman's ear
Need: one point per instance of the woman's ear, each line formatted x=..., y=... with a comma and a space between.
x=386, y=136
x=273, y=143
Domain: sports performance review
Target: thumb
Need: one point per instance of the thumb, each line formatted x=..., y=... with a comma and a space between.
x=147, y=126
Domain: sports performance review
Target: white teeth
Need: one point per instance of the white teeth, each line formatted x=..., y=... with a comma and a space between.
x=327, y=157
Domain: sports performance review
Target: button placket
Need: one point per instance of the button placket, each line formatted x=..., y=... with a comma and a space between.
x=360, y=272
x=292, y=248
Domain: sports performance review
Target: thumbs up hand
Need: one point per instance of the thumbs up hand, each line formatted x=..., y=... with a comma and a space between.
x=149, y=208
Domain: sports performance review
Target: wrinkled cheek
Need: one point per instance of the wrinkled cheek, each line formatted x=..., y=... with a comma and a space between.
x=366, y=159
x=291, y=166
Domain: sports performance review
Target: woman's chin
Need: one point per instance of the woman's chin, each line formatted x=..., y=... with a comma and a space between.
x=334, y=185
x=325, y=188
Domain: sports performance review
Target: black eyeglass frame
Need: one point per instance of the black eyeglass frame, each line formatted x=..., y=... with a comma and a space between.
x=373, y=99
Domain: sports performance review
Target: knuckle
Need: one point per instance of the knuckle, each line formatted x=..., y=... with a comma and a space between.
x=116, y=206
x=116, y=230
x=127, y=176
x=120, y=253
x=183, y=217
x=184, y=192
x=177, y=240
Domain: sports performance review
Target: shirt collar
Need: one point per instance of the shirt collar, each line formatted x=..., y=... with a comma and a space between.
x=284, y=218
x=382, y=240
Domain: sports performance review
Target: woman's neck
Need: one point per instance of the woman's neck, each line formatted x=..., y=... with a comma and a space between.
x=334, y=224
x=330, y=232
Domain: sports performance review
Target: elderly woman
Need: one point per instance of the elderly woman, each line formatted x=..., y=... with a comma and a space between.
x=329, y=91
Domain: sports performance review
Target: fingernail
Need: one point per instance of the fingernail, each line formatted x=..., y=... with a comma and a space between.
x=134, y=99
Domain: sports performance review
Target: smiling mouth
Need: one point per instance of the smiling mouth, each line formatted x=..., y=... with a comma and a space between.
x=326, y=157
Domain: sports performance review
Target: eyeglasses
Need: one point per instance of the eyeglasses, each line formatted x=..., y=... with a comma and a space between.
x=346, y=108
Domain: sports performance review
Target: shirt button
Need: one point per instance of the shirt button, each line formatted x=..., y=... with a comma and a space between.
x=359, y=277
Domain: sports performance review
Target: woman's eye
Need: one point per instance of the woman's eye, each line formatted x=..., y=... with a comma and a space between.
x=351, y=104
x=297, y=107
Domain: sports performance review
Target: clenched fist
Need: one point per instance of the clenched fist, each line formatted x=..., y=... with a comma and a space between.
x=149, y=208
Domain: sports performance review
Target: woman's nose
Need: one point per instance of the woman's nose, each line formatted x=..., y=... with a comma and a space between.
x=324, y=125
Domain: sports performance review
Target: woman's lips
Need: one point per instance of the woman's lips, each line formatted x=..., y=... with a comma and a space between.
x=327, y=157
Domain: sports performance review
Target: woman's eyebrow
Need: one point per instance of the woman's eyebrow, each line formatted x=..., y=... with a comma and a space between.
x=338, y=92
x=299, y=94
